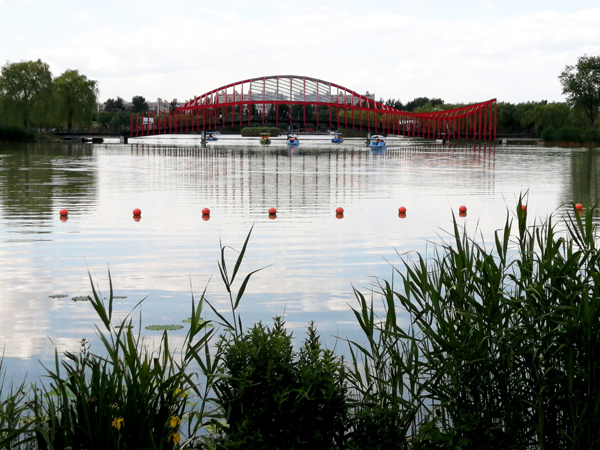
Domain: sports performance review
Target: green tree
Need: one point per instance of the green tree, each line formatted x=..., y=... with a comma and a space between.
x=76, y=98
x=114, y=105
x=581, y=85
x=139, y=104
x=25, y=86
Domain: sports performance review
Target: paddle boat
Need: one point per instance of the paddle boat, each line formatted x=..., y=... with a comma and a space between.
x=293, y=140
x=378, y=143
x=265, y=138
x=211, y=136
x=337, y=138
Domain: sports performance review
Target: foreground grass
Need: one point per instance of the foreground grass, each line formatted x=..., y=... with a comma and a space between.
x=498, y=348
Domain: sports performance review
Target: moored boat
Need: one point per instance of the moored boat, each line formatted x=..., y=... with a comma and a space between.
x=293, y=140
x=337, y=138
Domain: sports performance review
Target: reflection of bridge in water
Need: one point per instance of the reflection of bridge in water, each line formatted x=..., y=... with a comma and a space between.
x=308, y=104
x=252, y=180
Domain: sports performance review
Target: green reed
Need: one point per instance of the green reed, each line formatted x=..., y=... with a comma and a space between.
x=502, y=346
x=129, y=396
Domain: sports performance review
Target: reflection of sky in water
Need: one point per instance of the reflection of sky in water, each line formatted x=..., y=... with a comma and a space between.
x=314, y=258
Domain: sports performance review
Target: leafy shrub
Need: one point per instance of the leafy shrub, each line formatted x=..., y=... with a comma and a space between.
x=255, y=131
x=274, y=397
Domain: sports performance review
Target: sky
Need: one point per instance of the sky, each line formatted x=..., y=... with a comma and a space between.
x=462, y=51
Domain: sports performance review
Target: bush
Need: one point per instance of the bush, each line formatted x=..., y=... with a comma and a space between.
x=274, y=397
x=255, y=131
x=14, y=134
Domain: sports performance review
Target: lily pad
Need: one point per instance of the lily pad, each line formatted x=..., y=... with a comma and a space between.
x=82, y=298
x=58, y=296
x=164, y=327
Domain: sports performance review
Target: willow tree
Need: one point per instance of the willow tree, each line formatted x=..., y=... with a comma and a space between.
x=581, y=85
x=76, y=98
x=25, y=88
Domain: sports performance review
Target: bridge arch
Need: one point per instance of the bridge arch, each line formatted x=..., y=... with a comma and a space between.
x=291, y=100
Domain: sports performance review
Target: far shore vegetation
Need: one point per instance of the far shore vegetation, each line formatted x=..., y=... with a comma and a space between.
x=476, y=346
x=34, y=104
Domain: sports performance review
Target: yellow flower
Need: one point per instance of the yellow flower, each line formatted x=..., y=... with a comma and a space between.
x=175, y=421
x=177, y=391
x=174, y=437
x=118, y=422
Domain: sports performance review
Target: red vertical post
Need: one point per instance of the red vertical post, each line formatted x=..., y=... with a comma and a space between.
x=495, y=118
x=480, y=123
x=485, y=123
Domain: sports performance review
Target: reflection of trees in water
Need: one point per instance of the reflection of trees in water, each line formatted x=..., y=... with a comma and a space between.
x=32, y=176
x=585, y=178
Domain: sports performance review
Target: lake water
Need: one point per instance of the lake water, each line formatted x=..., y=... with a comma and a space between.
x=314, y=258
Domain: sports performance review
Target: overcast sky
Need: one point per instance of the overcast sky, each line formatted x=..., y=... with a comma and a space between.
x=457, y=50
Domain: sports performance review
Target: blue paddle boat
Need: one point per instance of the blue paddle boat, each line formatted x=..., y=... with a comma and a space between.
x=211, y=136
x=293, y=140
x=337, y=138
x=378, y=143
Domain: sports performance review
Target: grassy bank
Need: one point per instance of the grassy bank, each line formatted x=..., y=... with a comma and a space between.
x=481, y=346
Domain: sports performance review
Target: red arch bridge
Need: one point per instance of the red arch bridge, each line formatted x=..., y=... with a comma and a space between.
x=304, y=102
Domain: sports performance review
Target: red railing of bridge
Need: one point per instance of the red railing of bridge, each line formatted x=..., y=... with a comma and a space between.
x=294, y=100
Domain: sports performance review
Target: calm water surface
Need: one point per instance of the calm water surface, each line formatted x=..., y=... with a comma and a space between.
x=314, y=257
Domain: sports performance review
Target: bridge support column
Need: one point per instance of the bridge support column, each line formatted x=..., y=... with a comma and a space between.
x=123, y=139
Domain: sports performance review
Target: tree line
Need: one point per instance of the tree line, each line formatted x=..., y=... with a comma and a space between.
x=30, y=98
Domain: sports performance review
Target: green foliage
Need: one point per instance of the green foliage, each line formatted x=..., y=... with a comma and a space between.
x=23, y=87
x=508, y=338
x=76, y=98
x=139, y=104
x=114, y=105
x=14, y=420
x=130, y=397
x=581, y=85
x=115, y=121
x=14, y=134
x=256, y=131
x=276, y=398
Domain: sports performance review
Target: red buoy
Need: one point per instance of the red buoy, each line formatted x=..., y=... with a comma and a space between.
x=137, y=212
x=462, y=209
x=272, y=211
x=64, y=212
x=462, y=214
x=339, y=210
x=579, y=206
x=206, y=212
x=339, y=216
x=402, y=215
x=402, y=210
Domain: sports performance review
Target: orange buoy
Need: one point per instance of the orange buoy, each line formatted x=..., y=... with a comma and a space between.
x=579, y=206
x=462, y=214
x=64, y=212
x=402, y=210
x=272, y=211
x=339, y=210
x=136, y=218
x=206, y=212
x=65, y=218
x=402, y=215
x=462, y=209
x=137, y=212
x=339, y=215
